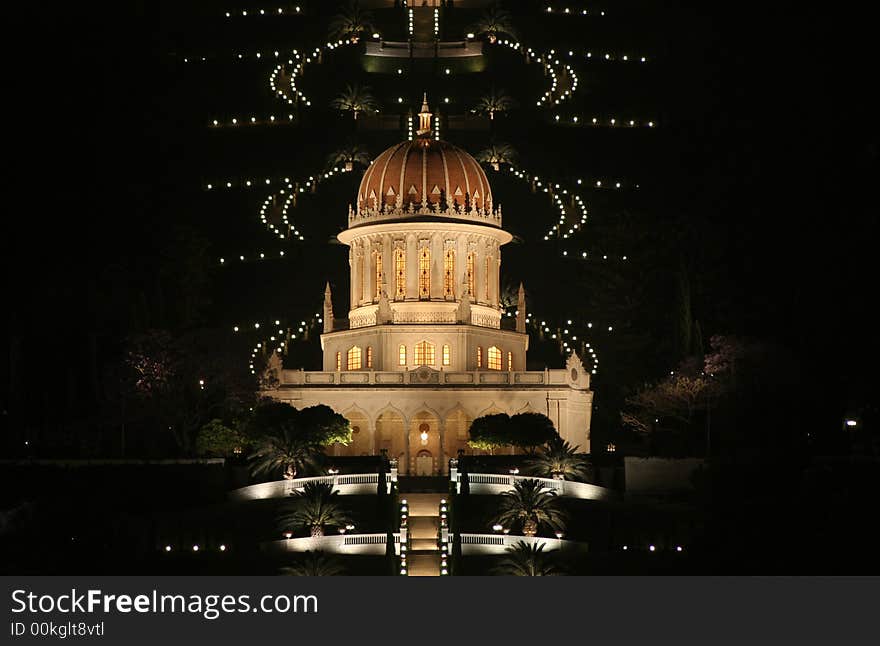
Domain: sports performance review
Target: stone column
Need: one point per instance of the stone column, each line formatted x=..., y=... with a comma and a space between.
x=441, y=427
x=356, y=281
x=371, y=424
x=388, y=265
x=461, y=249
x=436, y=246
x=406, y=456
x=352, y=284
x=495, y=279
x=480, y=273
x=369, y=269
x=412, y=267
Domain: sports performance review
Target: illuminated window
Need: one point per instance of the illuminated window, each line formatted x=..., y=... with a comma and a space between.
x=399, y=274
x=338, y=361
x=378, y=265
x=449, y=274
x=424, y=273
x=424, y=354
x=354, y=358
x=479, y=356
x=470, y=273
x=446, y=360
x=401, y=355
x=493, y=358
x=509, y=360
x=369, y=356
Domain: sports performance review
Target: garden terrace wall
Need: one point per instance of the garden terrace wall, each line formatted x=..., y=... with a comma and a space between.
x=363, y=544
x=348, y=484
x=494, y=484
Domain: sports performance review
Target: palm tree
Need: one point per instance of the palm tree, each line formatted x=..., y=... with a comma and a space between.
x=288, y=452
x=495, y=155
x=315, y=564
x=351, y=22
x=494, y=22
x=315, y=507
x=559, y=460
x=526, y=560
x=355, y=98
x=495, y=101
x=349, y=155
x=531, y=505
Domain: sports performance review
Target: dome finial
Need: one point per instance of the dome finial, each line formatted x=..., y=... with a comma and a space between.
x=424, y=118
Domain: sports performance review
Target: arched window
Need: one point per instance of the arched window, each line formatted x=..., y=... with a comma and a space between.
x=493, y=358
x=338, y=361
x=424, y=273
x=369, y=356
x=401, y=355
x=399, y=274
x=424, y=354
x=510, y=360
x=354, y=358
x=446, y=355
x=479, y=356
x=470, y=273
x=449, y=273
x=378, y=265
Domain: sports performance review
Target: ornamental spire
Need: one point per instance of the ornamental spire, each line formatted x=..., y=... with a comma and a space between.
x=328, y=309
x=424, y=118
x=521, y=310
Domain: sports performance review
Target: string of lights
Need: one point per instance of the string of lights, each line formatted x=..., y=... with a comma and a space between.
x=280, y=11
x=569, y=11
x=602, y=122
x=253, y=120
x=275, y=335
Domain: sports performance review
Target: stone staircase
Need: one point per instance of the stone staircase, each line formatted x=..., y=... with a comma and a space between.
x=424, y=525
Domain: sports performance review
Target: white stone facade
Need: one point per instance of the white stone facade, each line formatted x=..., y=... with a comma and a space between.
x=423, y=353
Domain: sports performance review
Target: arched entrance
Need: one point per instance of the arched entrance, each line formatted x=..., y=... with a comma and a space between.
x=361, y=438
x=391, y=436
x=457, y=426
x=424, y=463
x=424, y=444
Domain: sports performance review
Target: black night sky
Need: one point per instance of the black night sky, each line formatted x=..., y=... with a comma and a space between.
x=756, y=190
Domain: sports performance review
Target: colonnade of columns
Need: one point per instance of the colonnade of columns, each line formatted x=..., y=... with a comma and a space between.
x=365, y=254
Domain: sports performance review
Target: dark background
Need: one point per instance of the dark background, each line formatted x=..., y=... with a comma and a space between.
x=757, y=181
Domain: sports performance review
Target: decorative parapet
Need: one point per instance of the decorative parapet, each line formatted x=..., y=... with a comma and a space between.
x=425, y=375
x=406, y=49
x=399, y=211
x=499, y=543
x=443, y=312
x=496, y=483
x=362, y=544
x=348, y=484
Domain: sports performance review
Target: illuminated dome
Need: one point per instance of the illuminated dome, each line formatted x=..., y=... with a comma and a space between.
x=424, y=172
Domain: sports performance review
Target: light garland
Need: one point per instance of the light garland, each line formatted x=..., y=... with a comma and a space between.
x=568, y=11
x=271, y=120
x=276, y=335
x=602, y=122
x=554, y=68
x=280, y=11
x=261, y=255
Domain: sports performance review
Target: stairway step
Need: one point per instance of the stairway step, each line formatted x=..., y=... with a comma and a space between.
x=424, y=544
x=423, y=504
x=423, y=565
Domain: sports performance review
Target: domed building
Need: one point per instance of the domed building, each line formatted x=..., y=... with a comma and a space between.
x=422, y=352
